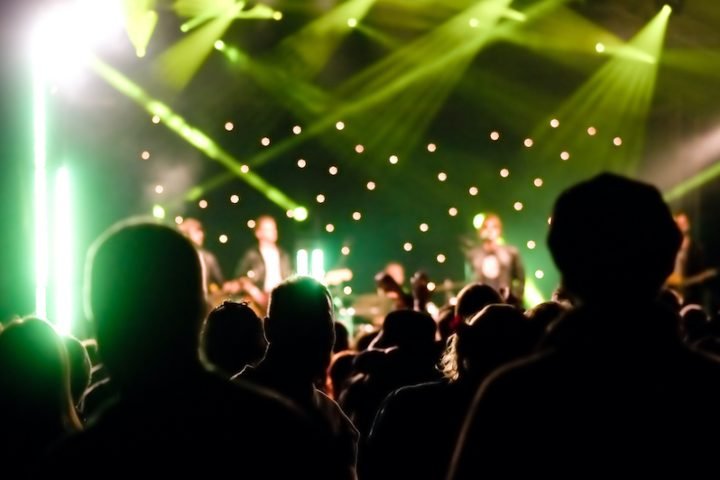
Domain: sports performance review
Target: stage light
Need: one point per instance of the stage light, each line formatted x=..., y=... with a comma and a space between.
x=393, y=159
x=347, y=290
x=531, y=245
x=452, y=211
x=591, y=131
x=564, y=155
x=155, y=119
x=333, y=170
x=600, y=47
x=301, y=163
x=431, y=147
x=244, y=169
x=145, y=155
x=251, y=223
x=554, y=123
x=219, y=45
x=265, y=141
x=178, y=220
x=159, y=189
x=234, y=198
x=539, y=274
x=297, y=129
x=442, y=176
x=229, y=126
x=370, y=185
x=518, y=206
x=277, y=16
x=478, y=220
x=300, y=214
x=528, y=142
x=158, y=212
x=320, y=198
x=440, y=258
x=302, y=262
x=340, y=125
x=473, y=191
x=329, y=228
x=504, y=173
x=424, y=227
x=494, y=136
x=352, y=22
x=203, y=204
x=431, y=286
x=473, y=22
x=359, y=149
x=356, y=216
x=345, y=250
x=538, y=182
x=223, y=238
x=407, y=246
x=617, y=141
x=317, y=265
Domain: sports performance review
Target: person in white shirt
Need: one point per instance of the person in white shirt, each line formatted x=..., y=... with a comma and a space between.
x=264, y=267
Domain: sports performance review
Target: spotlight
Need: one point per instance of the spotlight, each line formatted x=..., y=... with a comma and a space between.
x=676, y=6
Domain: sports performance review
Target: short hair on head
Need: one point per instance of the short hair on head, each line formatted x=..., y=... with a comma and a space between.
x=300, y=311
x=611, y=230
x=145, y=293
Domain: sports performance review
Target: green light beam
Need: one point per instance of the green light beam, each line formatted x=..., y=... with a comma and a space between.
x=192, y=135
x=693, y=183
x=446, y=49
x=616, y=101
x=40, y=233
x=178, y=64
x=63, y=271
x=140, y=22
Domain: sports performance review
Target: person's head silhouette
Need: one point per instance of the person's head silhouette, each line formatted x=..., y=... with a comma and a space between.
x=613, y=231
x=145, y=293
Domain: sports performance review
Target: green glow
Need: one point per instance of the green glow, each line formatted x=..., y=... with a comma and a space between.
x=304, y=53
x=427, y=68
x=178, y=64
x=40, y=233
x=63, y=258
x=219, y=45
x=302, y=263
x=300, y=214
x=693, y=183
x=478, y=220
x=616, y=101
x=140, y=22
x=158, y=212
x=317, y=265
x=192, y=135
x=533, y=295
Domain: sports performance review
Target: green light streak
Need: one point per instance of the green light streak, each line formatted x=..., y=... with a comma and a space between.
x=63, y=258
x=178, y=64
x=192, y=135
x=317, y=265
x=693, y=183
x=40, y=233
x=533, y=295
x=302, y=263
x=616, y=101
x=140, y=22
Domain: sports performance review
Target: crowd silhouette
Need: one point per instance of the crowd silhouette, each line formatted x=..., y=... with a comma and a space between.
x=616, y=374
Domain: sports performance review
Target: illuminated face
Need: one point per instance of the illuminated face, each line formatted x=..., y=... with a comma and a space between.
x=266, y=230
x=491, y=228
x=683, y=223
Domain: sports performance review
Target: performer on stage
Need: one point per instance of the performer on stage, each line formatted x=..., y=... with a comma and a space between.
x=494, y=263
x=262, y=268
x=690, y=273
x=193, y=229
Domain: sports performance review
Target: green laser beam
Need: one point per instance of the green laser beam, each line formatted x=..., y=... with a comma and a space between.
x=192, y=135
